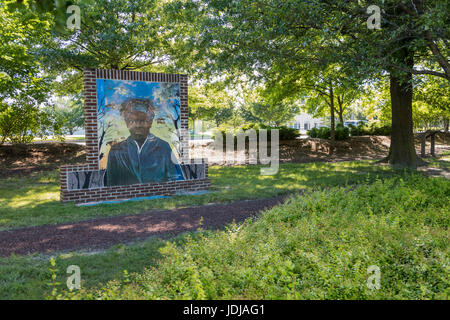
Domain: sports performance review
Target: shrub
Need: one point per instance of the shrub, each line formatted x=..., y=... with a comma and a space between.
x=315, y=246
x=313, y=133
x=248, y=126
x=219, y=131
x=289, y=133
x=285, y=133
x=323, y=133
x=18, y=124
x=340, y=133
x=378, y=129
x=22, y=123
x=359, y=130
x=374, y=128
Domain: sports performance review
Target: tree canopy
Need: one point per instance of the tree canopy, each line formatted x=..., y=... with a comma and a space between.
x=23, y=87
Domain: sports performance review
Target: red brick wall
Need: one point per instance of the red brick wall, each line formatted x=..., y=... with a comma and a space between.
x=129, y=191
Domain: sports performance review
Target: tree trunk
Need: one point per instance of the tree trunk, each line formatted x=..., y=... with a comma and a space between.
x=332, y=124
x=446, y=125
x=341, y=118
x=340, y=111
x=402, y=152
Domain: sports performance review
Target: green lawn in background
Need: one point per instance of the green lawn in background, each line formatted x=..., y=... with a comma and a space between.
x=34, y=200
x=66, y=138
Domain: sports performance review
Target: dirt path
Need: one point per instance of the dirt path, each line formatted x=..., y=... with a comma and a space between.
x=102, y=233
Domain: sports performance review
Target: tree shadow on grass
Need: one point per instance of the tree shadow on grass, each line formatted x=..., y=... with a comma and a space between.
x=38, y=204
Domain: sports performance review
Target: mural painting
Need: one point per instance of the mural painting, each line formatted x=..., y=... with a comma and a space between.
x=136, y=139
x=139, y=131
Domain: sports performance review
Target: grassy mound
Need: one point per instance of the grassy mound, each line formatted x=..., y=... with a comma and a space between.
x=316, y=246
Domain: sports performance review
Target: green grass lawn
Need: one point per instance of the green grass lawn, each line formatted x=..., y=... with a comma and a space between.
x=28, y=277
x=316, y=246
x=34, y=200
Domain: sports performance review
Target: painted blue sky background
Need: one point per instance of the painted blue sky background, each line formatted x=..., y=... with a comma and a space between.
x=114, y=92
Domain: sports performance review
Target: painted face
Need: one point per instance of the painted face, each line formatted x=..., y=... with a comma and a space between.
x=139, y=124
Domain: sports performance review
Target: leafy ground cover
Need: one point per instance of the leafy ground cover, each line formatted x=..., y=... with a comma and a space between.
x=318, y=245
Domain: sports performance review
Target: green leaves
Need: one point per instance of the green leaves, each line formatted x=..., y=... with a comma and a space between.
x=315, y=246
x=129, y=36
x=22, y=86
x=53, y=284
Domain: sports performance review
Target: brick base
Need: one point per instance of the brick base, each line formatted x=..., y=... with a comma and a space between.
x=133, y=191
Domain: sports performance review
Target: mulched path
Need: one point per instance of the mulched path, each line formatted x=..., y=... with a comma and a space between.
x=104, y=232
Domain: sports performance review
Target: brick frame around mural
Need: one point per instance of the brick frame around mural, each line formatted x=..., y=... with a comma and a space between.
x=92, y=148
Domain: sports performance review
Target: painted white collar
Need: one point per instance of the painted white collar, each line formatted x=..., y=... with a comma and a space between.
x=140, y=148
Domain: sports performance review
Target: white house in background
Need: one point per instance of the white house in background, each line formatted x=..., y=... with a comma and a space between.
x=305, y=121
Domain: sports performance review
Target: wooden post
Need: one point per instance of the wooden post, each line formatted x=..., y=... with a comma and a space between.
x=422, y=144
x=433, y=135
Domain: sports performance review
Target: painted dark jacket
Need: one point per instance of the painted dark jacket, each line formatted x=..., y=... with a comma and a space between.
x=127, y=165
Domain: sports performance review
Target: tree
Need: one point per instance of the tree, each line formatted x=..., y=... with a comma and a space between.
x=273, y=114
x=325, y=88
x=210, y=102
x=114, y=34
x=432, y=102
x=345, y=98
x=69, y=114
x=21, y=123
x=256, y=37
x=223, y=115
x=23, y=88
x=265, y=105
